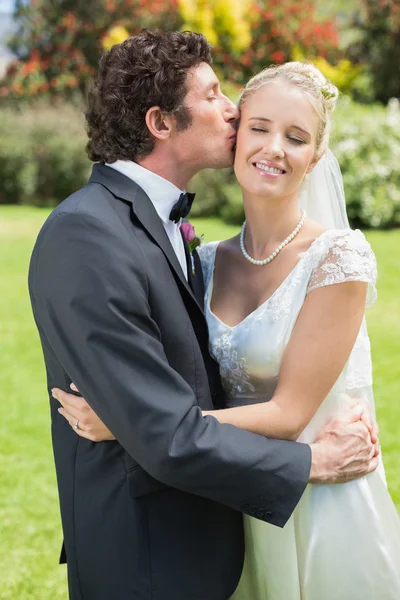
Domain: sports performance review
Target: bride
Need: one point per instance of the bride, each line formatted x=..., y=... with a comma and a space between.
x=285, y=303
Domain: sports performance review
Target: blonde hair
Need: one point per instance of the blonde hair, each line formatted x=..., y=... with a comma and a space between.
x=320, y=91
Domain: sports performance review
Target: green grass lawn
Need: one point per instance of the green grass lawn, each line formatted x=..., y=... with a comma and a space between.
x=30, y=530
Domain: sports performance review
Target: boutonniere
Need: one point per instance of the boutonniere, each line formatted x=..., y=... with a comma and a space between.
x=193, y=241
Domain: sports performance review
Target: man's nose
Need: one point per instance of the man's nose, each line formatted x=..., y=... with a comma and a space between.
x=231, y=112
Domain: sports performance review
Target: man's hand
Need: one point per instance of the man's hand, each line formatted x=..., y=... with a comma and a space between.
x=80, y=416
x=346, y=448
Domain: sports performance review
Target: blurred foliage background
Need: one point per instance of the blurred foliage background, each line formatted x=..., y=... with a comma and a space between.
x=57, y=45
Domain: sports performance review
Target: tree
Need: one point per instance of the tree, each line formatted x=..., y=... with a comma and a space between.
x=379, y=46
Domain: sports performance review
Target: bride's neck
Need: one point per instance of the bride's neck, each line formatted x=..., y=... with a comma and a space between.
x=269, y=222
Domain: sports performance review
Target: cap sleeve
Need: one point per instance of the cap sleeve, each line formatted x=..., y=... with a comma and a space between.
x=344, y=256
x=207, y=258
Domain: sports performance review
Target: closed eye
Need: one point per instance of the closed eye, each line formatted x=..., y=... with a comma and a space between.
x=296, y=140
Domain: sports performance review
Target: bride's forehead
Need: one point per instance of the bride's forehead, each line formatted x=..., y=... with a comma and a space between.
x=278, y=94
x=279, y=101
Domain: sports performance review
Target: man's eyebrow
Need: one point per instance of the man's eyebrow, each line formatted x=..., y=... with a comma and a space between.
x=211, y=85
x=269, y=121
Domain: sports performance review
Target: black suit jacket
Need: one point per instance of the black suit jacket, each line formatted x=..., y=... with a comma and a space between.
x=156, y=514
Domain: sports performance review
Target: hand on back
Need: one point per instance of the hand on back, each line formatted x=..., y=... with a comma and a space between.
x=347, y=448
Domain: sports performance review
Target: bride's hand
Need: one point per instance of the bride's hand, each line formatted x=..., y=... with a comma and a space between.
x=366, y=417
x=80, y=416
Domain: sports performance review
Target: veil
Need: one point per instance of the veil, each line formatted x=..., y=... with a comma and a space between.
x=322, y=194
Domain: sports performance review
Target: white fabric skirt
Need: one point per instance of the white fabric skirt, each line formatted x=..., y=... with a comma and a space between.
x=341, y=543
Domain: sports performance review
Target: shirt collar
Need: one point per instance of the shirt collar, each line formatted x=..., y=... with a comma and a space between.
x=162, y=193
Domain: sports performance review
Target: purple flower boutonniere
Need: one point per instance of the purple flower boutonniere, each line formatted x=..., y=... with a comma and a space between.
x=193, y=241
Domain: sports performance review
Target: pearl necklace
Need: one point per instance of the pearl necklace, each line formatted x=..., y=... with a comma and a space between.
x=275, y=253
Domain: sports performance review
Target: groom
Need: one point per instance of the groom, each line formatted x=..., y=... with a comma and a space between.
x=155, y=514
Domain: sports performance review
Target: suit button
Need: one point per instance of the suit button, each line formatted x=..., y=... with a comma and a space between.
x=268, y=514
x=245, y=507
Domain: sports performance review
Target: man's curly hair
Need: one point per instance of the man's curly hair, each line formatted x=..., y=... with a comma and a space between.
x=148, y=69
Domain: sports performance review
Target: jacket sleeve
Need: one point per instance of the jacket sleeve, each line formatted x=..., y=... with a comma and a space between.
x=89, y=294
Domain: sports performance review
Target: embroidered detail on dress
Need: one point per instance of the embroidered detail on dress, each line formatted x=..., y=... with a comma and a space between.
x=344, y=256
x=206, y=254
x=233, y=370
x=281, y=301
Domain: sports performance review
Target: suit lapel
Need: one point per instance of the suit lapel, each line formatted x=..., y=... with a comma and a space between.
x=123, y=187
x=195, y=278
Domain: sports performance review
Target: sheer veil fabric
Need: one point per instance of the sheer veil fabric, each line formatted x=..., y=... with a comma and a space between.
x=322, y=195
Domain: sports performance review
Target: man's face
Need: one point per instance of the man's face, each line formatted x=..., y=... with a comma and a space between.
x=209, y=141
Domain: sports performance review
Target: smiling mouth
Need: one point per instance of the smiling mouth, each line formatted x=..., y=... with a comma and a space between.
x=267, y=169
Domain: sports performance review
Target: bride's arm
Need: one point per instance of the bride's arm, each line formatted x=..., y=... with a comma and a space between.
x=321, y=342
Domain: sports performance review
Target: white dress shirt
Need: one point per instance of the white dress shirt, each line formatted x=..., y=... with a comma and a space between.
x=163, y=195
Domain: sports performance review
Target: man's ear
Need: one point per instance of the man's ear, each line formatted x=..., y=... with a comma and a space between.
x=158, y=123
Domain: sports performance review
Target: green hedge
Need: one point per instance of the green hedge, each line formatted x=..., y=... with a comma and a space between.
x=42, y=161
x=366, y=142
x=42, y=158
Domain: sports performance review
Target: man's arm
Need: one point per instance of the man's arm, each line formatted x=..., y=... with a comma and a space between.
x=89, y=294
x=343, y=450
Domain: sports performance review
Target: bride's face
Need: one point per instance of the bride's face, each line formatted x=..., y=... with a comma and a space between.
x=276, y=140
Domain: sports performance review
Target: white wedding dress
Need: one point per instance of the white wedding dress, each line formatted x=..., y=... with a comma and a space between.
x=342, y=541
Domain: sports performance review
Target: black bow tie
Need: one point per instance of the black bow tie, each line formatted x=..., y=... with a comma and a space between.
x=181, y=209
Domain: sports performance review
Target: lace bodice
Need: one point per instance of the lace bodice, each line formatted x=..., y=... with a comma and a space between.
x=343, y=256
x=250, y=353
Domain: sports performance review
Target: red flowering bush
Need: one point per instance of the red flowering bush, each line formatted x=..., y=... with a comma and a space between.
x=277, y=26
x=59, y=48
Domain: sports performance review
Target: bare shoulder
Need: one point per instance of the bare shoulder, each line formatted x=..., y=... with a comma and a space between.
x=228, y=249
x=310, y=231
